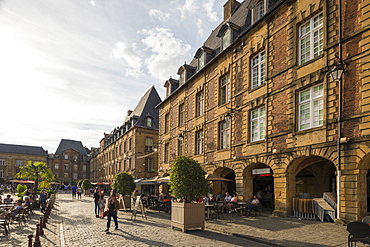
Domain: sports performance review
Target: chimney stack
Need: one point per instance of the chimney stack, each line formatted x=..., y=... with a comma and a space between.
x=229, y=8
x=129, y=113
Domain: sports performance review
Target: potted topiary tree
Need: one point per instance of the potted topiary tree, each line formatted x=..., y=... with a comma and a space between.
x=124, y=183
x=187, y=182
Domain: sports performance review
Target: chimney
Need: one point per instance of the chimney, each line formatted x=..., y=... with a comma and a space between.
x=229, y=8
x=129, y=113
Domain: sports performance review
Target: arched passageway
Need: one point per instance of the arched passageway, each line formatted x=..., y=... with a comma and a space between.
x=224, y=186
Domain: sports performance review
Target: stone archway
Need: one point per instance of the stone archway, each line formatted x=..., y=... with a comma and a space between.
x=308, y=177
x=363, y=189
x=224, y=186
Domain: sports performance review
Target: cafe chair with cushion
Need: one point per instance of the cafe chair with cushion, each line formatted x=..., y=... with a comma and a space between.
x=358, y=232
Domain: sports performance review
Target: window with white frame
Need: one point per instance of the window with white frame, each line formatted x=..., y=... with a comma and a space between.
x=1, y=173
x=167, y=123
x=311, y=107
x=75, y=167
x=224, y=132
x=311, y=38
x=199, y=103
x=66, y=156
x=2, y=162
x=226, y=39
x=18, y=162
x=259, y=11
x=257, y=123
x=201, y=61
x=65, y=166
x=182, y=77
x=258, y=70
x=149, y=143
x=84, y=167
x=199, y=142
x=225, y=90
x=149, y=164
x=75, y=176
x=181, y=114
x=65, y=175
x=56, y=166
x=149, y=122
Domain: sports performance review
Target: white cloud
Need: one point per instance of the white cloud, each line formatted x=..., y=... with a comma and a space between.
x=92, y=2
x=190, y=6
x=160, y=15
x=168, y=52
x=210, y=12
x=199, y=24
x=129, y=58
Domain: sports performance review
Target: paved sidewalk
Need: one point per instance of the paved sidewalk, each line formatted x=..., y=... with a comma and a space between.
x=72, y=223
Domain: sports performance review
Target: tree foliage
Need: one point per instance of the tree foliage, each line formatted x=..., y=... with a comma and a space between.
x=187, y=179
x=37, y=171
x=86, y=184
x=123, y=183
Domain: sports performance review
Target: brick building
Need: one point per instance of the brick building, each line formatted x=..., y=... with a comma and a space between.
x=13, y=156
x=256, y=104
x=70, y=161
x=131, y=146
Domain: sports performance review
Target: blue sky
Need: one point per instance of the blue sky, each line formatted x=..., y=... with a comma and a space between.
x=70, y=69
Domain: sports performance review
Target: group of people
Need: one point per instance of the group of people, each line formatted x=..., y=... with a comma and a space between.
x=76, y=191
x=19, y=204
x=108, y=208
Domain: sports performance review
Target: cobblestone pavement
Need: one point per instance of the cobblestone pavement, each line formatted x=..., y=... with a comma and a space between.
x=73, y=223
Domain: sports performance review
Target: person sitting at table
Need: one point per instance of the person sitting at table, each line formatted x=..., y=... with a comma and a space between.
x=27, y=201
x=161, y=197
x=18, y=206
x=254, y=203
x=212, y=198
x=219, y=197
x=8, y=199
x=229, y=205
x=228, y=197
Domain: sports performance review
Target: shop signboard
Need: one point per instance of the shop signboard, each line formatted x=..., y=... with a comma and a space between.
x=261, y=171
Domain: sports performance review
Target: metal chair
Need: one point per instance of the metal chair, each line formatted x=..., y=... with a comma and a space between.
x=358, y=232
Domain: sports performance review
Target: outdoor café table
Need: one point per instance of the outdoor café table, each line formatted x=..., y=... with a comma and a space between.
x=208, y=207
x=8, y=205
x=243, y=206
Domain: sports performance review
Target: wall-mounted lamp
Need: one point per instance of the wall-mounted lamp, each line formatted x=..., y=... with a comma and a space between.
x=338, y=70
x=180, y=137
x=229, y=113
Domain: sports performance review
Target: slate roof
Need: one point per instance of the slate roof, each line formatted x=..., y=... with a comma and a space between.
x=146, y=108
x=66, y=144
x=22, y=149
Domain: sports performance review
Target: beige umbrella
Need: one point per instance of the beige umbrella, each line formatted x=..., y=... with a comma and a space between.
x=154, y=179
x=211, y=177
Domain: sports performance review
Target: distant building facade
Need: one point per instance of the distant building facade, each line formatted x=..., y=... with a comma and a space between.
x=12, y=157
x=256, y=104
x=70, y=162
x=130, y=147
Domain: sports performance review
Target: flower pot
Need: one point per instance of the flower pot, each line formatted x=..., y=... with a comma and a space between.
x=187, y=215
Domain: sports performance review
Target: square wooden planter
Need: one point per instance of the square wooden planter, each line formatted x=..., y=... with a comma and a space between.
x=187, y=215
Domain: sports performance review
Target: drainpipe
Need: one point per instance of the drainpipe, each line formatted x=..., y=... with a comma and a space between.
x=339, y=110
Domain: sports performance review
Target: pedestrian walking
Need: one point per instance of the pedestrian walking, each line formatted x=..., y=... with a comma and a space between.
x=96, y=196
x=74, y=191
x=42, y=199
x=79, y=192
x=113, y=207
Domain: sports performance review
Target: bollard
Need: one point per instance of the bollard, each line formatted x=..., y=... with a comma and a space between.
x=30, y=240
x=44, y=221
x=37, y=238
x=41, y=230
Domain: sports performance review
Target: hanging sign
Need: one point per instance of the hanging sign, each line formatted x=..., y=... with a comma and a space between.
x=261, y=171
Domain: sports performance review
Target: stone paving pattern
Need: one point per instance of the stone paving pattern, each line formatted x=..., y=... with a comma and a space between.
x=73, y=223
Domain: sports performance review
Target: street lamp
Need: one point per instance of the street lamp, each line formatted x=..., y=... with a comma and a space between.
x=337, y=71
x=180, y=137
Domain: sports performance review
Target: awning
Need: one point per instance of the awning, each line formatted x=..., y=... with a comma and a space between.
x=209, y=177
x=143, y=181
x=101, y=183
x=22, y=181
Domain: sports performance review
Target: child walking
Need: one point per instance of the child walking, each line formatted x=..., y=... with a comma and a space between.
x=101, y=205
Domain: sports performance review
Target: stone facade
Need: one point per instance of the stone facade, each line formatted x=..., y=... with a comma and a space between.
x=302, y=116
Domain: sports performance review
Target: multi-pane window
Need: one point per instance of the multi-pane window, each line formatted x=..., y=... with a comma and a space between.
x=66, y=156
x=225, y=90
x=226, y=39
x=182, y=77
x=200, y=103
x=18, y=162
x=201, y=61
x=149, y=164
x=56, y=166
x=75, y=176
x=258, y=11
x=311, y=39
x=75, y=167
x=257, y=124
x=84, y=167
x=199, y=142
x=166, y=152
x=181, y=114
x=258, y=69
x=180, y=145
x=65, y=166
x=167, y=123
x=149, y=143
x=311, y=107
x=2, y=162
x=149, y=122
x=130, y=143
x=65, y=175
x=1, y=173
x=224, y=131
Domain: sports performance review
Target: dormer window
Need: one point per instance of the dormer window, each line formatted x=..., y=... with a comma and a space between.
x=259, y=11
x=201, y=60
x=182, y=77
x=149, y=122
x=226, y=39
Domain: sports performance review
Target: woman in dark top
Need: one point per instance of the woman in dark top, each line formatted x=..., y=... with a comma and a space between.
x=113, y=207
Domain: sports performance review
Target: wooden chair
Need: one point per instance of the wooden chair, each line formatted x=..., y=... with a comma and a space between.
x=4, y=223
x=358, y=232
